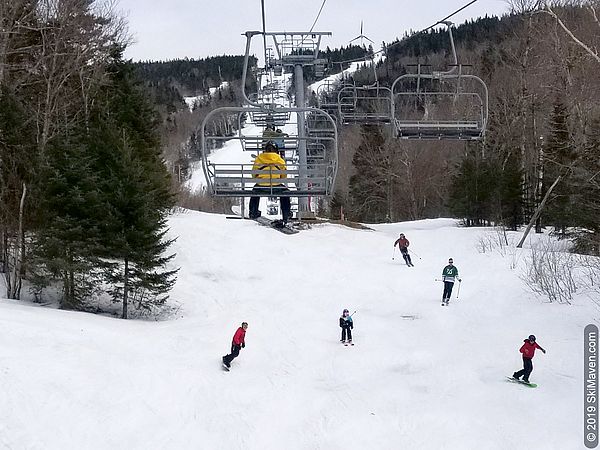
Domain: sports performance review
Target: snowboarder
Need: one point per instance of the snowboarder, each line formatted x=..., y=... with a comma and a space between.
x=347, y=325
x=403, y=244
x=528, y=350
x=237, y=344
x=449, y=274
x=265, y=164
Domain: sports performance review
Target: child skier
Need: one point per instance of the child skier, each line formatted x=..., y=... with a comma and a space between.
x=237, y=344
x=403, y=244
x=528, y=350
x=347, y=325
x=449, y=274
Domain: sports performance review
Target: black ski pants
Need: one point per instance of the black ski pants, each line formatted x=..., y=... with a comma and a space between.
x=235, y=351
x=284, y=202
x=346, y=331
x=448, y=285
x=406, y=256
x=526, y=370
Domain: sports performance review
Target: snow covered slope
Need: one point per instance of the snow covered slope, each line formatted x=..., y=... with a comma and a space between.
x=420, y=376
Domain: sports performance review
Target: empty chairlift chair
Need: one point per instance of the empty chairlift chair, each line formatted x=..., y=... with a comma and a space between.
x=364, y=104
x=439, y=106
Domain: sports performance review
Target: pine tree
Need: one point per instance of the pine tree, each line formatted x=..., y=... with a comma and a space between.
x=586, y=181
x=471, y=191
x=135, y=188
x=559, y=155
x=67, y=245
x=369, y=186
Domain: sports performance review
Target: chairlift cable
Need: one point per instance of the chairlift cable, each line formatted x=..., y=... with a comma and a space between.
x=318, y=15
x=262, y=4
x=415, y=34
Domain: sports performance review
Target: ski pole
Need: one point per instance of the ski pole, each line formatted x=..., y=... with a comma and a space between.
x=415, y=254
x=394, y=254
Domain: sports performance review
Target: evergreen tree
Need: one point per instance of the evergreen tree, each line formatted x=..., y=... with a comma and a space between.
x=510, y=194
x=586, y=181
x=471, y=191
x=68, y=244
x=136, y=190
x=369, y=186
x=559, y=155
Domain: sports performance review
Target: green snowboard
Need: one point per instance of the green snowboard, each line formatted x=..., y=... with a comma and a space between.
x=512, y=380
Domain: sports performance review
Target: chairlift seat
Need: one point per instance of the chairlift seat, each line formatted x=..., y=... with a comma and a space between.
x=418, y=129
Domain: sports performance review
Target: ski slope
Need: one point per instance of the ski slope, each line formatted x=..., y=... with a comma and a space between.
x=420, y=376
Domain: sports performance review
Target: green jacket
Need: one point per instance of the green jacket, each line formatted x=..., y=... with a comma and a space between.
x=450, y=273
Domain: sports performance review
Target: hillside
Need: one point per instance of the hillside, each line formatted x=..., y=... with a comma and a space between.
x=420, y=376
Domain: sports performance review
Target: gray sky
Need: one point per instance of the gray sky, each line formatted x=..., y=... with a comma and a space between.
x=169, y=29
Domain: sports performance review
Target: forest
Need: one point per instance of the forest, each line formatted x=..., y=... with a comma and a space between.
x=541, y=144
x=84, y=193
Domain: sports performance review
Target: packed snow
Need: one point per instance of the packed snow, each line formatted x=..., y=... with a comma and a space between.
x=420, y=376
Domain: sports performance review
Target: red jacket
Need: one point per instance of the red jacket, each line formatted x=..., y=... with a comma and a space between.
x=238, y=337
x=528, y=349
x=402, y=243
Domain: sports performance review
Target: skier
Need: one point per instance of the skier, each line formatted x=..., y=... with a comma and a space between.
x=528, y=350
x=347, y=325
x=449, y=274
x=279, y=140
x=265, y=164
x=237, y=344
x=403, y=244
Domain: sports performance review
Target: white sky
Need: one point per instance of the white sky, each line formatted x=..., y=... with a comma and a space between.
x=196, y=29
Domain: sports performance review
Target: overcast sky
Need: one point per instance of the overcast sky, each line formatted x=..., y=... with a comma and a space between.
x=170, y=29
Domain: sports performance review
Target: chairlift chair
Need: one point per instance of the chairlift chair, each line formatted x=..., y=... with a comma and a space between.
x=236, y=179
x=366, y=104
x=439, y=106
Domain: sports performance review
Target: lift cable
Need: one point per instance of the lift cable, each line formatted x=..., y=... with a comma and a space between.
x=364, y=58
x=318, y=15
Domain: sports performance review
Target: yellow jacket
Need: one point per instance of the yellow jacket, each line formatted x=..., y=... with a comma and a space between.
x=267, y=162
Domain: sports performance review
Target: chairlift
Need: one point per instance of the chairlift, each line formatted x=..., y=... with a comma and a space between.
x=237, y=179
x=440, y=105
x=365, y=104
x=447, y=106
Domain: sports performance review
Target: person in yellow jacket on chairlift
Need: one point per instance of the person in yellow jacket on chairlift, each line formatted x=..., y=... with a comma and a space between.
x=264, y=165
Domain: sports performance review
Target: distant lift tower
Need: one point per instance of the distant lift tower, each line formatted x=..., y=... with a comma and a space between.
x=295, y=50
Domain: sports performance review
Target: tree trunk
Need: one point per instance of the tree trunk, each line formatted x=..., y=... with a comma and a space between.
x=125, y=287
x=538, y=211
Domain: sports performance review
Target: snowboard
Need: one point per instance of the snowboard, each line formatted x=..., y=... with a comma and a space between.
x=225, y=368
x=512, y=380
x=348, y=344
x=276, y=225
x=266, y=222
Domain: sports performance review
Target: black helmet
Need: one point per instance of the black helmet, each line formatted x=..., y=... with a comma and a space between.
x=531, y=337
